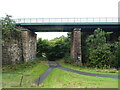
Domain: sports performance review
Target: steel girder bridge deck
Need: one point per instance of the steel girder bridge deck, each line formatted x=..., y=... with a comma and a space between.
x=68, y=24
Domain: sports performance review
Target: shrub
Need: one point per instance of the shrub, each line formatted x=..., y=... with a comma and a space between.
x=99, y=51
x=68, y=59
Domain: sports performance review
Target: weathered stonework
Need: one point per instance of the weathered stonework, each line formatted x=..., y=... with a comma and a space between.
x=76, y=46
x=21, y=48
x=29, y=44
x=11, y=51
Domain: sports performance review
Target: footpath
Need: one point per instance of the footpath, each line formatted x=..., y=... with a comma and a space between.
x=53, y=64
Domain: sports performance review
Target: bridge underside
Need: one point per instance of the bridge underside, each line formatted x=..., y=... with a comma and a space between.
x=69, y=27
x=75, y=28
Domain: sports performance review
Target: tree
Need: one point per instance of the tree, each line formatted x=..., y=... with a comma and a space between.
x=99, y=50
x=42, y=47
x=53, y=49
x=116, y=53
x=58, y=48
x=9, y=28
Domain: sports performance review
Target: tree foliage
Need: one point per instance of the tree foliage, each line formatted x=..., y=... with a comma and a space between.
x=53, y=49
x=9, y=29
x=101, y=53
x=42, y=46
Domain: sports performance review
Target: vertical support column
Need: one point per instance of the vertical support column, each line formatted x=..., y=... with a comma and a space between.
x=24, y=37
x=76, y=45
x=28, y=45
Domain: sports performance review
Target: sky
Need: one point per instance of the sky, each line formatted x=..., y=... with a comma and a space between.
x=58, y=9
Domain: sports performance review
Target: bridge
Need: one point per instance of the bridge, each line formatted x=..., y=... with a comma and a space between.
x=74, y=25
x=27, y=41
x=68, y=24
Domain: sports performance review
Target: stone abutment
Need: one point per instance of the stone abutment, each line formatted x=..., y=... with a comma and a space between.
x=19, y=49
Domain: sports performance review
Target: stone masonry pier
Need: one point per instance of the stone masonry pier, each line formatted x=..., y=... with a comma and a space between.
x=76, y=45
x=19, y=49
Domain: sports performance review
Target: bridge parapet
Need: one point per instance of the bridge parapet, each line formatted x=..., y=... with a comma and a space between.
x=64, y=20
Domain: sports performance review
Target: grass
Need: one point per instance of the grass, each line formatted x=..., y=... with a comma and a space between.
x=90, y=70
x=64, y=79
x=13, y=77
x=56, y=79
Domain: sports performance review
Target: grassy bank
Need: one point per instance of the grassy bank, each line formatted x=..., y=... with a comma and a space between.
x=56, y=79
x=64, y=79
x=31, y=71
x=86, y=69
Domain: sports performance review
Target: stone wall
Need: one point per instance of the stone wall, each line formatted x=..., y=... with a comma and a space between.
x=21, y=48
x=11, y=51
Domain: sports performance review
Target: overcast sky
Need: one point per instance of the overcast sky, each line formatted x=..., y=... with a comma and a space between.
x=58, y=9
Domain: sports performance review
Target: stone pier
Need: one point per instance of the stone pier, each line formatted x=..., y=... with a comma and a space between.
x=19, y=49
x=76, y=46
x=28, y=44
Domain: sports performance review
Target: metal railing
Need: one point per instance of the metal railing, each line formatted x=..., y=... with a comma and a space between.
x=63, y=20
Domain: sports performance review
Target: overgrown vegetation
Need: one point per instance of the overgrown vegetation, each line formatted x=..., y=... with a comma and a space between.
x=9, y=28
x=53, y=49
x=98, y=50
x=101, y=52
x=15, y=68
x=31, y=71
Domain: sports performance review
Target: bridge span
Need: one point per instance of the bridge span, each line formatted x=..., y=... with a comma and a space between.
x=74, y=25
x=68, y=24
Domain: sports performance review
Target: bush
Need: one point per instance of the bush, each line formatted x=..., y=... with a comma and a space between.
x=68, y=59
x=99, y=51
x=9, y=28
x=53, y=49
x=20, y=66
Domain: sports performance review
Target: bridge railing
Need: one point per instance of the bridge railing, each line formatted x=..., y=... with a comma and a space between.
x=63, y=20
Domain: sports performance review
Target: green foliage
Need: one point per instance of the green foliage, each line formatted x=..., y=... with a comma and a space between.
x=20, y=66
x=68, y=59
x=99, y=50
x=58, y=48
x=53, y=49
x=9, y=29
x=116, y=61
x=42, y=47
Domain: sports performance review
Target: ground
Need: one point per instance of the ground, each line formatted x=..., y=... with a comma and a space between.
x=56, y=79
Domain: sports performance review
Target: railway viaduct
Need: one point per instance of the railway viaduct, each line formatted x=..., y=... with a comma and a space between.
x=74, y=25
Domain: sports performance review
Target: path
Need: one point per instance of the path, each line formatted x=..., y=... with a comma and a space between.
x=53, y=64
x=89, y=74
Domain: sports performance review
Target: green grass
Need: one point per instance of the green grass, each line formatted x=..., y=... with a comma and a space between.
x=64, y=79
x=90, y=70
x=0, y=80
x=56, y=79
x=11, y=79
